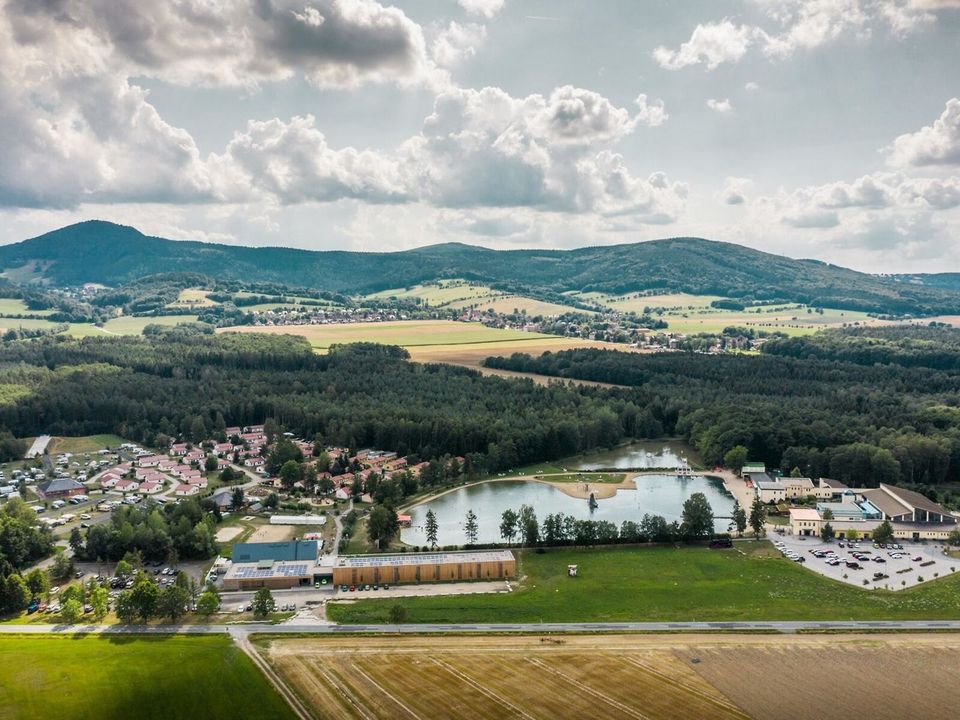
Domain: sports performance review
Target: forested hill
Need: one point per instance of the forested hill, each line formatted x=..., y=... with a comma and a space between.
x=112, y=254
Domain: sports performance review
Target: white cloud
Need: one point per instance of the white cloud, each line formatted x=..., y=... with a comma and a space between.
x=721, y=106
x=937, y=144
x=735, y=190
x=712, y=44
x=799, y=25
x=487, y=8
x=293, y=163
x=751, y=86
x=231, y=42
x=456, y=43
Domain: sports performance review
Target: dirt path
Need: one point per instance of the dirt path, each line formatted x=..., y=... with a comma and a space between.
x=292, y=700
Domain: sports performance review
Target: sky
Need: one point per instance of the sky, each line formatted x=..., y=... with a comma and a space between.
x=811, y=128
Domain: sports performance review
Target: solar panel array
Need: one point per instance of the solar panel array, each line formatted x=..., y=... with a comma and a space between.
x=278, y=570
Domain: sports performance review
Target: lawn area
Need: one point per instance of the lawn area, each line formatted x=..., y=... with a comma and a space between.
x=130, y=325
x=16, y=306
x=132, y=677
x=414, y=333
x=668, y=584
x=26, y=323
x=84, y=444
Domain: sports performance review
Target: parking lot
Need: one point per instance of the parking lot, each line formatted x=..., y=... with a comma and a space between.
x=902, y=572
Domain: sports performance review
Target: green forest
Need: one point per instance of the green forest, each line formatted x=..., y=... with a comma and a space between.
x=860, y=423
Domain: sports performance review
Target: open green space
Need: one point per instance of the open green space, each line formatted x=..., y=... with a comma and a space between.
x=16, y=306
x=439, y=293
x=8, y=323
x=130, y=325
x=84, y=444
x=750, y=582
x=132, y=677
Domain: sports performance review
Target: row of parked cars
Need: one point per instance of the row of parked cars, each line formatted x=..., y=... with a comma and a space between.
x=361, y=588
x=789, y=553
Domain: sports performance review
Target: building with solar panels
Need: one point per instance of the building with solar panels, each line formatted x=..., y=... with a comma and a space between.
x=424, y=567
x=278, y=566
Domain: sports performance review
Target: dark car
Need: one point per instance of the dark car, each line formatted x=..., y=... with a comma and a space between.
x=721, y=543
x=853, y=565
x=879, y=559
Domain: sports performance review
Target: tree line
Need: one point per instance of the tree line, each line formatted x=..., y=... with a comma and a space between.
x=862, y=424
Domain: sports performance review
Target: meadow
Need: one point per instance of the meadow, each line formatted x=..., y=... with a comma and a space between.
x=16, y=306
x=161, y=677
x=440, y=293
x=84, y=444
x=507, y=304
x=750, y=582
x=193, y=297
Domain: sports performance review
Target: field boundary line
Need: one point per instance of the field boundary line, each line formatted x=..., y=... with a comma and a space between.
x=286, y=693
x=342, y=687
x=587, y=689
x=366, y=676
x=720, y=701
x=483, y=691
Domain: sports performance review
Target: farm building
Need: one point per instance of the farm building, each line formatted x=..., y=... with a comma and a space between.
x=424, y=567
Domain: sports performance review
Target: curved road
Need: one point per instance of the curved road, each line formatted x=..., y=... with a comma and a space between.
x=242, y=630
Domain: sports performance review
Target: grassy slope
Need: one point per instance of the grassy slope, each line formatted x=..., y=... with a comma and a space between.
x=169, y=677
x=620, y=584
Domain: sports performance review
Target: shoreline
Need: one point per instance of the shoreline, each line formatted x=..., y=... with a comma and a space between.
x=578, y=490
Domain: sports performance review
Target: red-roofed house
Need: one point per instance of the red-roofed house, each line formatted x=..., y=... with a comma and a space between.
x=126, y=485
x=108, y=480
x=150, y=487
x=148, y=461
x=185, y=490
x=199, y=481
x=178, y=449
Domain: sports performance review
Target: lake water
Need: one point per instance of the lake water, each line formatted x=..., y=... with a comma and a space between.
x=655, y=494
x=635, y=456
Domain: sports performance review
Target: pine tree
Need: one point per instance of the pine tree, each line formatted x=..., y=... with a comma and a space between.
x=431, y=527
x=470, y=528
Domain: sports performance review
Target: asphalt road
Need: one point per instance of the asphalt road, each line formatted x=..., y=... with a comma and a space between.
x=245, y=629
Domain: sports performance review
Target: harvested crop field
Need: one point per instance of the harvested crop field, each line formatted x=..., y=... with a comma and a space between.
x=623, y=676
x=408, y=333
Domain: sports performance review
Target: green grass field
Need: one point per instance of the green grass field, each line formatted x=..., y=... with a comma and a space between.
x=129, y=325
x=444, y=292
x=26, y=323
x=132, y=677
x=84, y=444
x=413, y=333
x=668, y=584
x=16, y=306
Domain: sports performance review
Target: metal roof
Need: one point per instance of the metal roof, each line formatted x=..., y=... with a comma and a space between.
x=425, y=558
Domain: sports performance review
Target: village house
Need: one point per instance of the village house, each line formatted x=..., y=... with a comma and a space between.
x=178, y=449
x=151, y=487
x=198, y=481
x=108, y=480
x=126, y=485
x=186, y=490
x=59, y=488
x=149, y=461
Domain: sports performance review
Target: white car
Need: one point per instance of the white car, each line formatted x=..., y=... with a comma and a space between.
x=85, y=516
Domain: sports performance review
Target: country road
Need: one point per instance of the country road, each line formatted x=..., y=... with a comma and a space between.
x=243, y=630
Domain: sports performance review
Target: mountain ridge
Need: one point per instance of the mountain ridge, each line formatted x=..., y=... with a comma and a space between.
x=97, y=251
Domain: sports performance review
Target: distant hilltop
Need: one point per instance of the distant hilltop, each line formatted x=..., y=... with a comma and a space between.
x=110, y=254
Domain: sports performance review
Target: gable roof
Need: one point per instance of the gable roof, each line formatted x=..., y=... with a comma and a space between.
x=885, y=502
x=915, y=499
